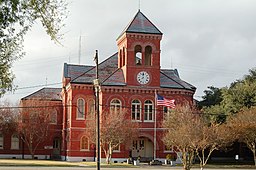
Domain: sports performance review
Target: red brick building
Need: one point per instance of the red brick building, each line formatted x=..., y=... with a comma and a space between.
x=128, y=78
x=48, y=100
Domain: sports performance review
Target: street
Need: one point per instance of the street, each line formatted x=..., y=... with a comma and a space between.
x=89, y=168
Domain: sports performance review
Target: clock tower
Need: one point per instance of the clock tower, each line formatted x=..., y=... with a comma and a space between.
x=139, y=52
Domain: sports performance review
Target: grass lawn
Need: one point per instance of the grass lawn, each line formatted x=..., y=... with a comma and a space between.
x=26, y=162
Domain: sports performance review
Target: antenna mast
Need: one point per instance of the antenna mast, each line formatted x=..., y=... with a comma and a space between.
x=171, y=62
x=79, y=50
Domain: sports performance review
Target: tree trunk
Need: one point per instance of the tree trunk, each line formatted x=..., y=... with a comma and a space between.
x=187, y=160
x=107, y=159
x=254, y=156
x=109, y=154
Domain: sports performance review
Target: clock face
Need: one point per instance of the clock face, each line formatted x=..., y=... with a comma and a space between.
x=143, y=77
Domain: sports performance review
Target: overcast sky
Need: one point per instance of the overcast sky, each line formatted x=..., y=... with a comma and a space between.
x=210, y=42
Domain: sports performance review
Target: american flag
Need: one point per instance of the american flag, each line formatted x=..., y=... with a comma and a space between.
x=161, y=101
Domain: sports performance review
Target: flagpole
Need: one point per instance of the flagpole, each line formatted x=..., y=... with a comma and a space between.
x=155, y=126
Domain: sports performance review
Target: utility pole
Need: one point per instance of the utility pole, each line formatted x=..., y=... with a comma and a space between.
x=96, y=86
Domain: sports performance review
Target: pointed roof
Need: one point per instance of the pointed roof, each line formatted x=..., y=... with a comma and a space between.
x=111, y=75
x=141, y=24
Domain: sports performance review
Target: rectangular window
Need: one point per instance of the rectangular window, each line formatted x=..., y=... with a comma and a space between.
x=168, y=149
x=117, y=148
x=166, y=111
x=15, y=142
x=56, y=143
x=53, y=118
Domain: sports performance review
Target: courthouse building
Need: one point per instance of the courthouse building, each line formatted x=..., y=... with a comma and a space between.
x=129, y=78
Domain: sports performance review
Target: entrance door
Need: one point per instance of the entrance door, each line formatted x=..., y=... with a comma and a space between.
x=142, y=148
x=56, y=149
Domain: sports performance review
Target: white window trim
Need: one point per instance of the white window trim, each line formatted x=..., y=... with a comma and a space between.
x=146, y=104
x=136, y=104
x=168, y=151
x=77, y=110
x=119, y=149
x=115, y=105
x=81, y=144
x=56, y=116
x=18, y=142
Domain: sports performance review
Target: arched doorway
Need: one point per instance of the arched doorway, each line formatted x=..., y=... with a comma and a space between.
x=143, y=148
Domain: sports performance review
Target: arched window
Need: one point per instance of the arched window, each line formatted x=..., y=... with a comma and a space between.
x=84, y=143
x=136, y=110
x=148, y=110
x=138, y=55
x=148, y=56
x=80, y=113
x=115, y=106
x=1, y=141
x=91, y=106
x=15, y=142
x=69, y=110
x=121, y=57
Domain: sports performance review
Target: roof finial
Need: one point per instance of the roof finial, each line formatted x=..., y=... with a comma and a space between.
x=139, y=5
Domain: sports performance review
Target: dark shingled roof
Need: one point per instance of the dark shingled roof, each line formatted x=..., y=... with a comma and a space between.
x=111, y=75
x=141, y=24
x=45, y=94
x=170, y=79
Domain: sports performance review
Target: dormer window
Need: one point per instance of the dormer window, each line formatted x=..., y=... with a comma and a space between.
x=138, y=55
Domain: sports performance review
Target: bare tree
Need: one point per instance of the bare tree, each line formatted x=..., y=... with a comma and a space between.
x=35, y=119
x=8, y=118
x=211, y=137
x=243, y=127
x=182, y=131
x=116, y=129
x=188, y=131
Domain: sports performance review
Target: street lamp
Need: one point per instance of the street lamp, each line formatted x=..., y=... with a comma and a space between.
x=96, y=87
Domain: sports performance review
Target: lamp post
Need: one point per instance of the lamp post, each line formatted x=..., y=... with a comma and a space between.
x=96, y=86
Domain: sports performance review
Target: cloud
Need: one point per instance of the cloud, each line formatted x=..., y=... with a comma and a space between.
x=209, y=42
